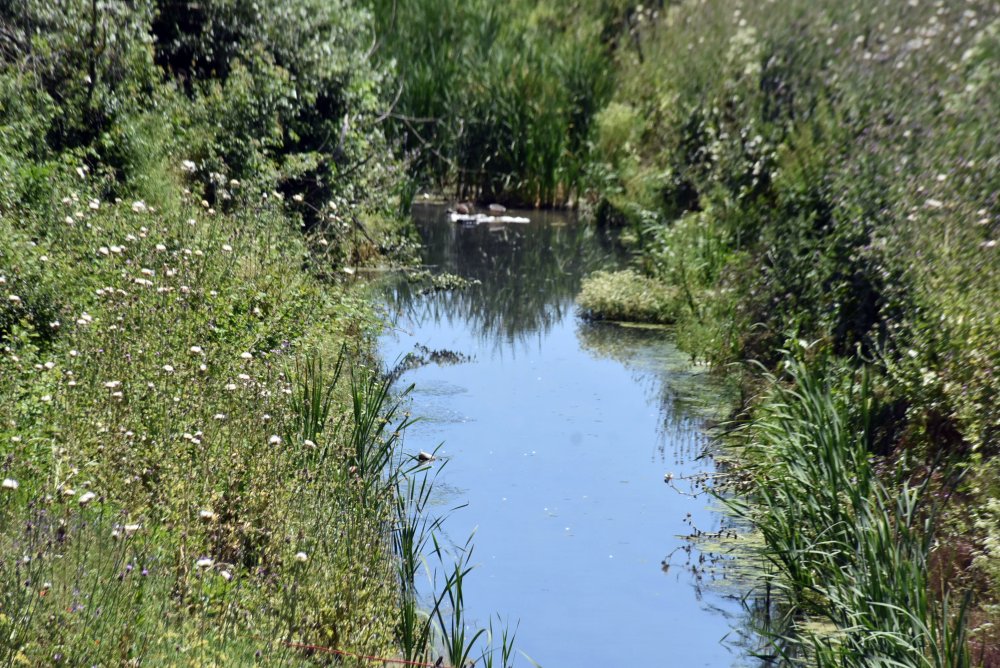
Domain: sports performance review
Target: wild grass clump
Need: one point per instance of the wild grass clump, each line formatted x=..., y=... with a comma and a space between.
x=849, y=553
x=628, y=296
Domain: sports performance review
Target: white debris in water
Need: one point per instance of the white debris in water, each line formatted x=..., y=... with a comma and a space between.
x=480, y=218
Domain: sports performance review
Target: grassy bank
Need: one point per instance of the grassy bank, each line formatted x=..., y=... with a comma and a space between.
x=818, y=178
x=202, y=462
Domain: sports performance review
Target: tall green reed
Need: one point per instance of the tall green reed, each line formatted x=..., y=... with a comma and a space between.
x=845, y=548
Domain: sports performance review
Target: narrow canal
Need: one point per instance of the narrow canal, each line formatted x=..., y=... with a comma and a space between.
x=558, y=434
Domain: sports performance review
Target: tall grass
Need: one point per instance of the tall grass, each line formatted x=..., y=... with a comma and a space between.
x=847, y=550
x=496, y=99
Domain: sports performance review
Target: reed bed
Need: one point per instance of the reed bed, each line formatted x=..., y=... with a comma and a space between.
x=847, y=552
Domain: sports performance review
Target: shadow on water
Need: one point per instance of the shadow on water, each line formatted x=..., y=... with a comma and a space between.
x=559, y=435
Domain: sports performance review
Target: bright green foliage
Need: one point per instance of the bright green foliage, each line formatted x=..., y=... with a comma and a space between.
x=628, y=296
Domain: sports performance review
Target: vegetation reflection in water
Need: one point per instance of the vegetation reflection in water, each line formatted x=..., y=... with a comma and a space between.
x=528, y=274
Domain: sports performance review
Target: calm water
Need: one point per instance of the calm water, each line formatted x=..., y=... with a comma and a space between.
x=558, y=434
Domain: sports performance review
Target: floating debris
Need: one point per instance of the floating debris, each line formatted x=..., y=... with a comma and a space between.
x=481, y=218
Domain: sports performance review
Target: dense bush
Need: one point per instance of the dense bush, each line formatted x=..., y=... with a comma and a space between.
x=797, y=177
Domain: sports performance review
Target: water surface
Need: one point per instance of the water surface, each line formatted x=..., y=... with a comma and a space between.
x=558, y=434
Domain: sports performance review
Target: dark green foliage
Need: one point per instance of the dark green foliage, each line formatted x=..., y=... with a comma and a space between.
x=494, y=99
x=92, y=59
x=838, y=178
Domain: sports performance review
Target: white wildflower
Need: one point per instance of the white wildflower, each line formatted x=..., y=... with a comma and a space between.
x=301, y=557
x=274, y=440
x=86, y=498
x=204, y=563
x=10, y=483
x=139, y=206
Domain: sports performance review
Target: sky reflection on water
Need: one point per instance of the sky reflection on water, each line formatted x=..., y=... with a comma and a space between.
x=558, y=434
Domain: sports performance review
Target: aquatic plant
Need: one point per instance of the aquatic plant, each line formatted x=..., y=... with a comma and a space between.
x=626, y=295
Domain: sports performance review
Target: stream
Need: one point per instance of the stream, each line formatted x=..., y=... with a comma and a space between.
x=557, y=435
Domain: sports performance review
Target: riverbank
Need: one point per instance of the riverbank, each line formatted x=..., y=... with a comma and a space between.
x=820, y=200
x=196, y=468
x=186, y=193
